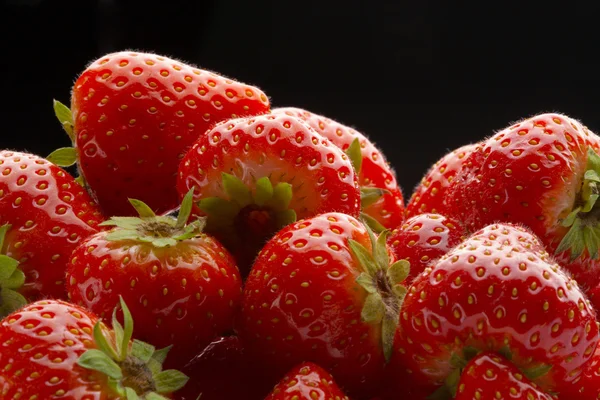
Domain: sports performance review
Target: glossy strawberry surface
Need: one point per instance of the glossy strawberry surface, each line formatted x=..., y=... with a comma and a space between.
x=183, y=295
x=491, y=377
x=136, y=114
x=375, y=171
x=307, y=381
x=49, y=214
x=497, y=291
x=422, y=239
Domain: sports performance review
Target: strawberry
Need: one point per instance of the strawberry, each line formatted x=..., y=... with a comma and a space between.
x=497, y=291
x=587, y=385
x=253, y=176
x=430, y=195
x=183, y=287
x=222, y=362
x=491, y=377
x=381, y=195
x=307, y=381
x=44, y=214
x=423, y=239
x=55, y=350
x=542, y=172
x=322, y=290
x=134, y=115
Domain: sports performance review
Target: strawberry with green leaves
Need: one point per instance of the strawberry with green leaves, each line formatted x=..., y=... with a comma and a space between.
x=44, y=214
x=497, y=291
x=489, y=376
x=430, y=194
x=544, y=173
x=182, y=285
x=51, y=349
x=133, y=116
x=423, y=239
x=325, y=290
x=253, y=176
x=307, y=381
x=382, y=201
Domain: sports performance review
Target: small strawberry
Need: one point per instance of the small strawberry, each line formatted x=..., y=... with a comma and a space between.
x=222, y=362
x=322, y=290
x=381, y=195
x=544, y=173
x=423, y=239
x=587, y=385
x=497, y=291
x=253, y=176
x=491, y=377
x=183, y=287
x=134, y=115
x=44, y=214
x=430, y=195
x=307, y=381
x=55, y=350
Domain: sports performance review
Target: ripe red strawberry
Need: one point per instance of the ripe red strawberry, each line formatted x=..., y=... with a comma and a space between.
x=222, y=362
x=430, y=195
x=307, y=381
x=44, y=214
x=253, y=176
x=491, y=377
x=587, y=385
x=423, y=239
x=497, y=291
x=322, y=290
x=55, y=350
x=134, y=115
x=374, y=172
x=543, y=173
x=183, y=287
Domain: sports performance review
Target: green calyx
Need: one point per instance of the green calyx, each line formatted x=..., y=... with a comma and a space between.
x=159, y=231
x=584, y=220
x=134, y=368
x=66, y=156
x=382, y=282
x=459, y=362
x=11, y=280
x=266, y=207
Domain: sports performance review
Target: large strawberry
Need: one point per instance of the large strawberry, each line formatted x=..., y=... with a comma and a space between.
x=542, y=172
x=497, y=291
x=381, y=195
x=423, y=239
x=489, y=376
x=253, y=176
x=307, y=381
x=322, y=290
x=183, y=287
x=430, y=195
x=44, y=214
x=55, y=350
x=134, y=115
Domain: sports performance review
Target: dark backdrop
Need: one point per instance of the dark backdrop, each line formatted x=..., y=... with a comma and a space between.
x=418, y=77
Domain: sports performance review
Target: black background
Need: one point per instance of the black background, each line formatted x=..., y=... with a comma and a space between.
x=418, y=77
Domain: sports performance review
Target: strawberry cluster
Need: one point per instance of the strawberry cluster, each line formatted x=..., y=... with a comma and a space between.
x=267, y=253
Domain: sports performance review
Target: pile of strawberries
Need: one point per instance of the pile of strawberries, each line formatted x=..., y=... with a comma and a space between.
x=267, y=253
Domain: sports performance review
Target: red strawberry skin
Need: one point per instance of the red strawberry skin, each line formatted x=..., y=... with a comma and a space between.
x=136, y=114
x=40, y=346
x=530, y=173
x=302, y=302
x=587, y=385
x=490, y=377
x=430, y=195
x=497, y=290
x=50, y=214
x=307, y=381
x=214, y=369
x=375, y=170
x=184, y=295
x=423, y=239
